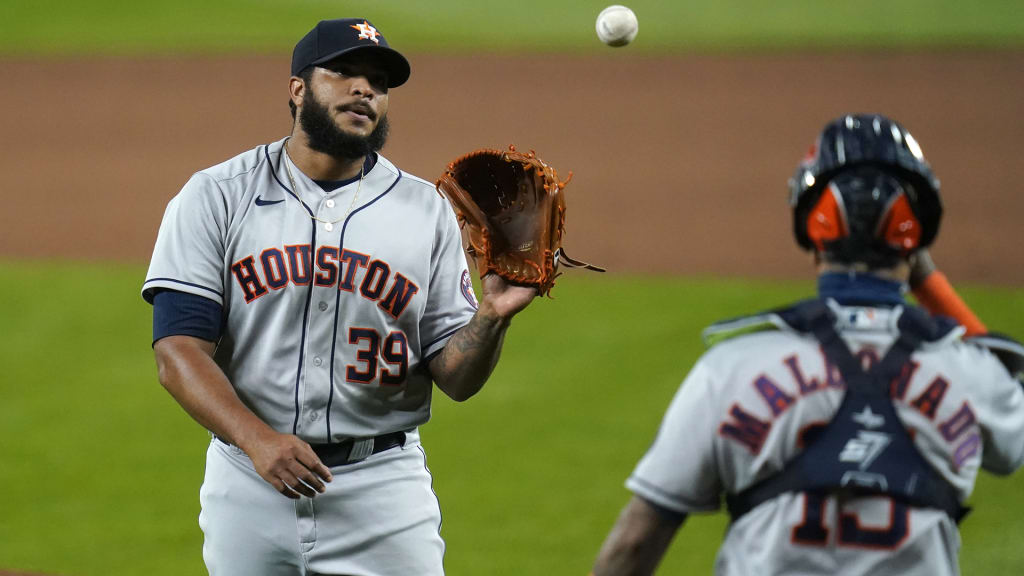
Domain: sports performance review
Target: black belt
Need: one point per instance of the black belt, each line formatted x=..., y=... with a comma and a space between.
x=338, y=454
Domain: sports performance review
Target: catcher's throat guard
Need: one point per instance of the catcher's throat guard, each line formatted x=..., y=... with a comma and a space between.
x=512, y=205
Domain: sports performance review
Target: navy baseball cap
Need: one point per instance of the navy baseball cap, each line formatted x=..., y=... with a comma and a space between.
x=332, y=38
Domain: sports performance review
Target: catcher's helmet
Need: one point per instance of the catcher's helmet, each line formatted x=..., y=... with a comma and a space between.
x=864, y=193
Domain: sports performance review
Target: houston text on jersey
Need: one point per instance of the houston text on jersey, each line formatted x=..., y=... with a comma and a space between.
x=350, y=271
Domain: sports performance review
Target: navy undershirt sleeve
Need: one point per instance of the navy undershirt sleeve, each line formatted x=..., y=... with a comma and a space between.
x=669, y=516
x=183, y=314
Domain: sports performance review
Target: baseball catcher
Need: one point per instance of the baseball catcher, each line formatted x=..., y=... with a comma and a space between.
x=513, y=206
x=843, y=432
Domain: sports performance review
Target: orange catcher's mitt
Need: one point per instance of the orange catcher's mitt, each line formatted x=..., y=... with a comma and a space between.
x=514, y=209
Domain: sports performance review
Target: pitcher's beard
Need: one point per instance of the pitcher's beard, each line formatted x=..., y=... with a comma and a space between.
x=325, y=136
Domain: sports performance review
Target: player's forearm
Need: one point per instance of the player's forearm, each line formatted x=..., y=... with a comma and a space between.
x=469, y=357
x=622, y=556
x=934, y=292
x=637, y=542
x=187, y=370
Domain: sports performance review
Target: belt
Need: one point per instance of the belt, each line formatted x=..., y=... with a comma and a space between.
x=355, y=450
x=352, y=450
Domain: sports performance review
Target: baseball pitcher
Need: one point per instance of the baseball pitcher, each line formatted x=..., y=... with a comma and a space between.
x=307, y=294
x=844, y=432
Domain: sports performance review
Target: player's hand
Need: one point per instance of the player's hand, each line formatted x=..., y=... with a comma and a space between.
x=504, y=298
x=289, y=465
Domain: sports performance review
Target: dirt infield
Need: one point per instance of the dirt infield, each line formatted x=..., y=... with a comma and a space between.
x=680, y=163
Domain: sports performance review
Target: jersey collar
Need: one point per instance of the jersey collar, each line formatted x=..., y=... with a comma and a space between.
x=332, y=185
x=852, y=289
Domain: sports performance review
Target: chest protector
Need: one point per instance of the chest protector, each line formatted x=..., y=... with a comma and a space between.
x=865, y=449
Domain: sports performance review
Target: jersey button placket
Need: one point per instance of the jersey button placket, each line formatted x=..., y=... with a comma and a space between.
x=327, y=214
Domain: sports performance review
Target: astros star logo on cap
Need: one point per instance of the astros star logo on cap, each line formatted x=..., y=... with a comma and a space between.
x=367, y=32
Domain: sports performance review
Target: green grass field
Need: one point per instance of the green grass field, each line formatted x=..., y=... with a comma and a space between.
x=200, y=26
x=102, y=469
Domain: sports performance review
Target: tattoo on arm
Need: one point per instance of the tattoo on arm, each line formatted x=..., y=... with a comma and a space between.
x=474, y=335
x=469, y=357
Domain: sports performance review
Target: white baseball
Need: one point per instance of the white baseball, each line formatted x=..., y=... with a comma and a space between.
x=617, y=25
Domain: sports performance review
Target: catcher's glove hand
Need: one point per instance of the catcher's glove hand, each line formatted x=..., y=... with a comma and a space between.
x=514, y=208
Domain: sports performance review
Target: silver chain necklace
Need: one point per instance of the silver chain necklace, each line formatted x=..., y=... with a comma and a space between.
x=328, y=224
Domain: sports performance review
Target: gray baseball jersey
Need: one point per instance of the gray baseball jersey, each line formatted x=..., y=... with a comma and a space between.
x=332, y=301
x=738, y=418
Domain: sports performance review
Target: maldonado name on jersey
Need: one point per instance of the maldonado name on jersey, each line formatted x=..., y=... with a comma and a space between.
x=742, y=426
x=275, y=268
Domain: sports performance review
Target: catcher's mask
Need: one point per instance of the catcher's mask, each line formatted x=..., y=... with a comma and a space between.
x=865, y=193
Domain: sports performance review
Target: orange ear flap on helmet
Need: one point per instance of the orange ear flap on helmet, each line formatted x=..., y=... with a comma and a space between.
x=827, y=220
x=900, y=228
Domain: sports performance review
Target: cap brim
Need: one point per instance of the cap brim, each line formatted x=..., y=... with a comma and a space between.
x=390, y=59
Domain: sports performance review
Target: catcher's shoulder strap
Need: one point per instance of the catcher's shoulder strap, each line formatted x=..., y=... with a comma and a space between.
x=768, y=321
x=865, y=448
x=1009, y=351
